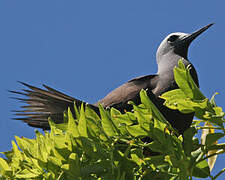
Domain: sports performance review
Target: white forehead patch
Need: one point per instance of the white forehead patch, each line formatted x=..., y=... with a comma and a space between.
x=179, y=34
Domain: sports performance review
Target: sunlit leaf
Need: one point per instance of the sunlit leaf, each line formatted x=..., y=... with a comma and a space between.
x=107, y=123
x=146, y=101
x=4, y=165
x=72, y=126
x=140, y=144
x=82, y=124
x=136, y=130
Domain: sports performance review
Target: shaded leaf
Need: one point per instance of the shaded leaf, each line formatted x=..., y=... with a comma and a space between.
x=158, y=131
x=201, y=170
x=212, y=138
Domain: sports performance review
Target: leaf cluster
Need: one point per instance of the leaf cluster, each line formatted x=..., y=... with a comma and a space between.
x=135, y=145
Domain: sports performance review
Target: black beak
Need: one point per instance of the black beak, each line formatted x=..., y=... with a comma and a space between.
x=195, y=34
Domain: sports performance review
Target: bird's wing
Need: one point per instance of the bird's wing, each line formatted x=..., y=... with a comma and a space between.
x=42, y=104
x=129, y=91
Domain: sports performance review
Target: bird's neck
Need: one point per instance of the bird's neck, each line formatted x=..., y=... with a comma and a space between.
x=167, y=62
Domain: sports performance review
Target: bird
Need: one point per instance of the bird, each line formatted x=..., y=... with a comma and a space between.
x=44, y=103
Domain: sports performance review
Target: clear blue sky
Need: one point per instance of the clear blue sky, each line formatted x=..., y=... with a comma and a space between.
x=87, y=48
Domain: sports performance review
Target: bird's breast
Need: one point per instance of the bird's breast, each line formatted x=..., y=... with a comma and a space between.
x=166, y=83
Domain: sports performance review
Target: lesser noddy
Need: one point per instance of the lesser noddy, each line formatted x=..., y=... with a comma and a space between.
x=42, y=104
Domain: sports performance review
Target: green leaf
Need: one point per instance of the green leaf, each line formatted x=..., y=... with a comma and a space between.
x=185, y=82
x=158, y=131
x=73, y=169
x=56, y=160
x=26, y=174
x=176, y=99
x=212, y=138
x=201, y=170
x=147, y=102
x=218, y=112
x=76, y=110
x=72, y=126
x=90, y=113
x=196, y=154
x=80, y=148
x=55, y=129
x=116, y=118
x=188, y=140
x=29, y=146
x=174, y=94
x=136, y=130
x=82, y=124
x=4, y=165
x=156, y=146
x=144, y=120
x=137, y=156
x=42, y=150
x=107, y=123
x=180, y=76
x=212, y=100
x=113, y=113
x=94, y=125
x=16, y=152
x=123, y=118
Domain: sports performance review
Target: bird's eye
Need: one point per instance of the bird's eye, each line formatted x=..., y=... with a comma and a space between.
x=172, y=38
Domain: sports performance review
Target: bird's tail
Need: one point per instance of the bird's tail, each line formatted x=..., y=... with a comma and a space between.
x=42, y=104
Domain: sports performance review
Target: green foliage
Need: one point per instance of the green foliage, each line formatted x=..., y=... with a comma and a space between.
x=136, y=145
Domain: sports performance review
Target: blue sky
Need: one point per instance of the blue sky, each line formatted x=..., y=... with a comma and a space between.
x=87, y=48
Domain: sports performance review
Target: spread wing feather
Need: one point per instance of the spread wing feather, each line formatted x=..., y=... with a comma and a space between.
x=48, y=102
